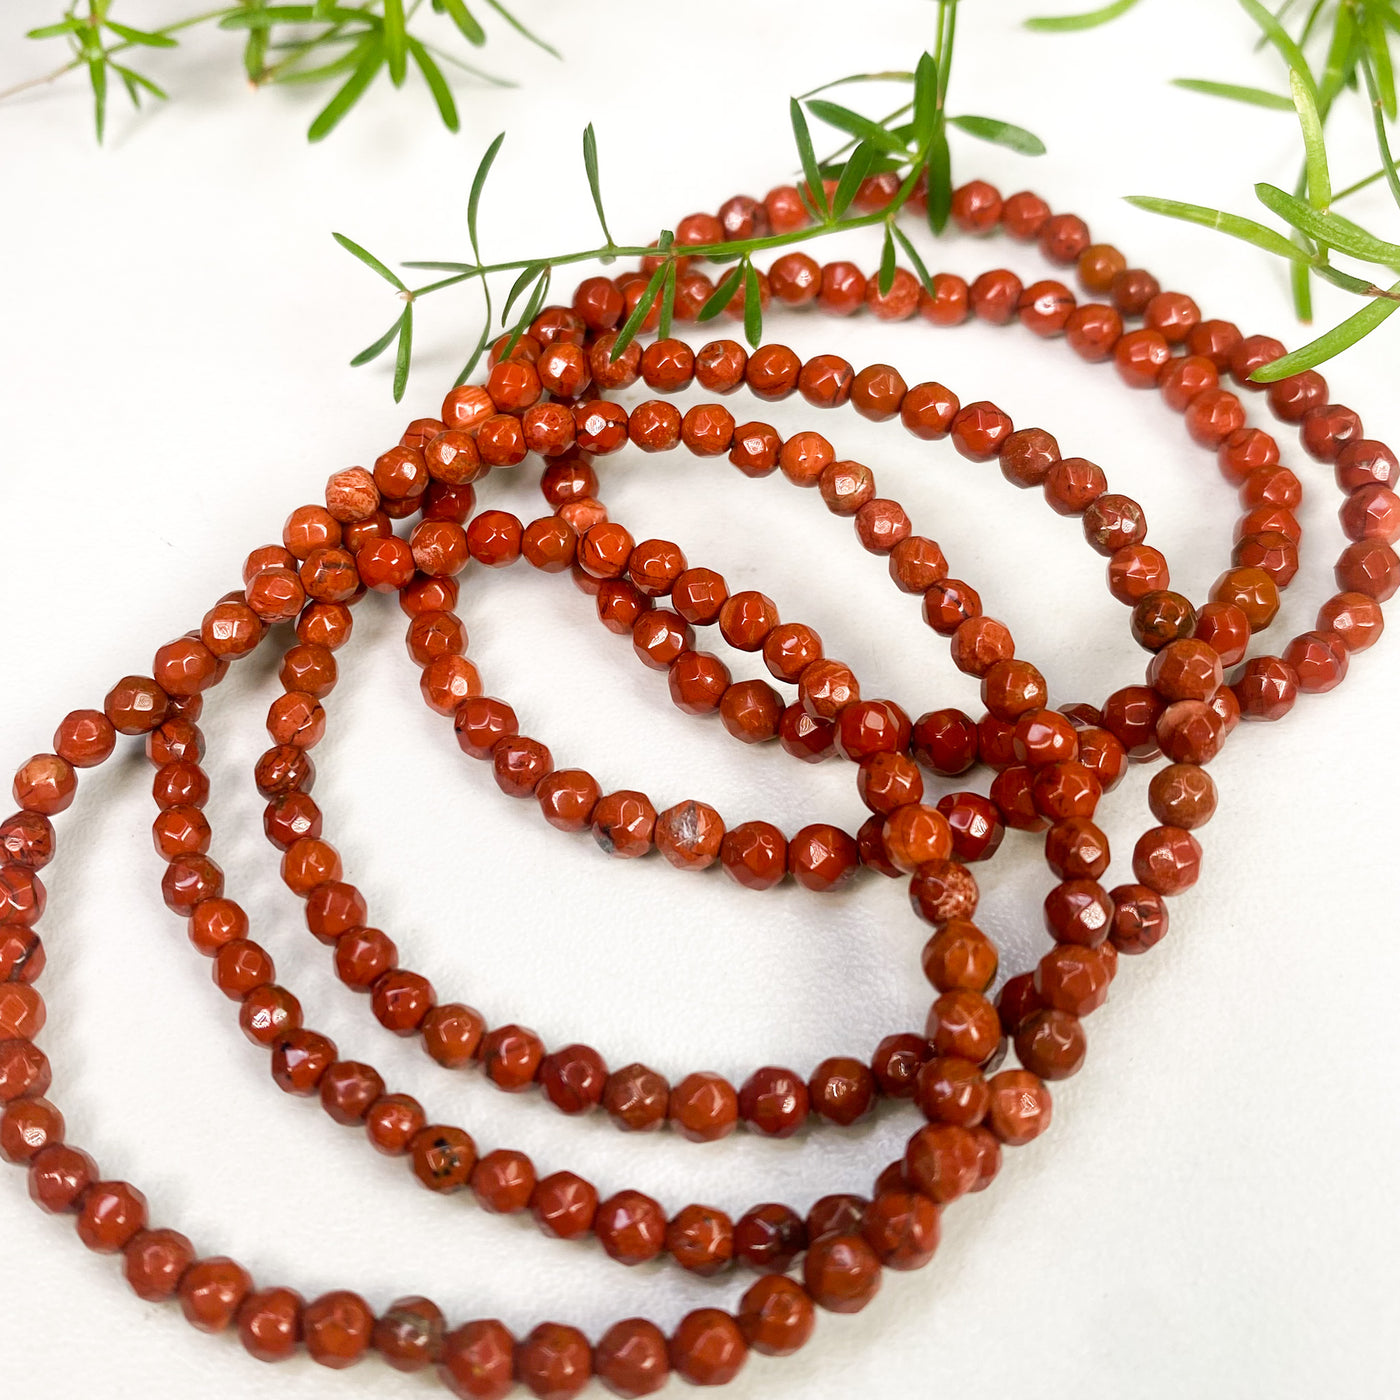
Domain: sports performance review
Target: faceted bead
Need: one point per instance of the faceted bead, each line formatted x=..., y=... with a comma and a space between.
x=704, y=1107
x=841, y=1272
x=503, y=1181
x=477, y=1360
x=511, y=1056
x=155, y=1263
x=212, y=1291
x=564, y=1205
x=776, y=1316
x=701, y=1240
x=443, y=1158
x=269, y=1324
x=942, y=1161
x=1167, y=859
x=554, y=1362
x=1020, y=1109
x=841, y=1090
x=631, y=1358
x=631, y=1227
x=897, y=1061
x=774, y=1102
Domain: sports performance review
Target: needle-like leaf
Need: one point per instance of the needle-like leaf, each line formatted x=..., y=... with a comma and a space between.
x=1234, y=224
x=1059, y=24
x=1333, y=342
x=910, y=252
x=590, y=164
x=1024, y=142
x=887, y=263
x=372, y=352
x=1329, y=228
x=478, y=184
x=369, y=260
x=722, y=294
x=816, y=191
x=331, y=114
x=854, y=124
x=396, y=41
x=144, y=37
x=405, y=355
x=437, y=84
x=519, y=28
x=1256, y=97
x=940, y=182
x=640, y=312
x=465, y=21
x=753, y=306
x=1315, y=149
x=857, y=168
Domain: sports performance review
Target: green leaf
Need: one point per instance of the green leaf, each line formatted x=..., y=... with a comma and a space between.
x=1300, y=284
x=590, y=164
x=532, y=309
x=331, y=114
x=97, y=73
x=1256, y=97
x=815, y=189
x=1319, y=178
x=405, y=353
x=890, y=76
x=528, y=274
x=1340, y=65
x=910, y=252
x=854, y=124
x=483, y=341
x=1333, y=342
x=344, y=64
x=925, y=101
x=372, y=352
x=255, y=55
x=140, y=36
x=396, y=41
x=1001, y=133
x=519, y=28
x=1279, y=37
x=465, y=21
x=1234, y=224
x=856, y=169
x=437, y=84
x=887, y=263
x=134, y=82
x=478, y=184
x=640, y=312
x=1328, y=228
x=668, y=303
x=1059, y=24
x=1382, y=140
x=369, y=260
x=720, y=297
x=270, y=15
x=52, y=31
x=753, y=306
x=1379, y=48
x=940, y=182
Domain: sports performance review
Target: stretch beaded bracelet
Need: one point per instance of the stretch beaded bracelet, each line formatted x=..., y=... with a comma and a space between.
x=548, y=396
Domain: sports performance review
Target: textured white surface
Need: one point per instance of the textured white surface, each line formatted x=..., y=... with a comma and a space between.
x=1213, y=1213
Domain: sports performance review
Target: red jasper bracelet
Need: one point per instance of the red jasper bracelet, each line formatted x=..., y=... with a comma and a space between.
x=549, y=397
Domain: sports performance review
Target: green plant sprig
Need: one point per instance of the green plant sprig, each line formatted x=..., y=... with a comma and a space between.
x=1353, y=41
x=316, y=43
x=911, y=142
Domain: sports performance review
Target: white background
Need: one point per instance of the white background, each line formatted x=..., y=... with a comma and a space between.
x=1213, y=1213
